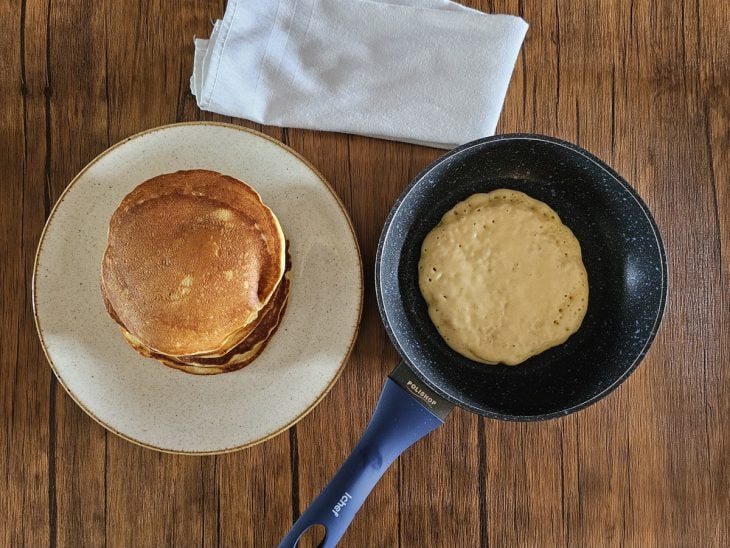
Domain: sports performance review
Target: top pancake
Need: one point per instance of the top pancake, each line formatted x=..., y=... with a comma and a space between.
x=503, y=278
x=191, y=259
x=240, y=355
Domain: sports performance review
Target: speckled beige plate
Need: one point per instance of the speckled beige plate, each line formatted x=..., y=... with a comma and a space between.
x=161, y=408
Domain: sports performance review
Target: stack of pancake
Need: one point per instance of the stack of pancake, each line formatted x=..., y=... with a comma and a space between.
x=196, y=271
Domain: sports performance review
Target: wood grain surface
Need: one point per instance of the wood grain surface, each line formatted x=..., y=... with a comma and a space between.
x=642, y=84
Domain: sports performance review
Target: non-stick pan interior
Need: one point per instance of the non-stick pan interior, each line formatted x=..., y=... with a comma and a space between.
x=621, y=248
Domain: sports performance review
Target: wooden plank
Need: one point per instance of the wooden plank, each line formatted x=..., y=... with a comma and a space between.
x=438, y=486
x=172, y=500
x=237, y=499
x=529, y=469
x=77, y=131
x=255, y=497
x=321, y=446
x=713, y=98
x=667, y=473
x=25, y=446
x=589, y=60
x=623, y=463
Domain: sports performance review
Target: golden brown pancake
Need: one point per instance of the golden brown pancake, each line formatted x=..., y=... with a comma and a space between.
x=192, y=259
x=240, y=355
x=503, y=278
x=252, y=345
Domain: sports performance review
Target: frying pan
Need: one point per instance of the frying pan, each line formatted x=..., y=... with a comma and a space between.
x=627, y=273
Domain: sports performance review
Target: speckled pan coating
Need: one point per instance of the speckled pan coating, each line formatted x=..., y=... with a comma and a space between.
x=622, y=251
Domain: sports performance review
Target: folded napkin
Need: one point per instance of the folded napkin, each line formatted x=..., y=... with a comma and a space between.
x=423, y=71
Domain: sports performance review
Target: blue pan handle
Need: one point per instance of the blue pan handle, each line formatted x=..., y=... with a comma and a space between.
x=406, y=412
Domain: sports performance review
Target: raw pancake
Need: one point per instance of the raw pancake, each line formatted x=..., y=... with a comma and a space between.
x=240, y=355
x=503, y=278
x=192, y=258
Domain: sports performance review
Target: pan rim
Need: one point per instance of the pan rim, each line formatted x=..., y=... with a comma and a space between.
x=573, y=148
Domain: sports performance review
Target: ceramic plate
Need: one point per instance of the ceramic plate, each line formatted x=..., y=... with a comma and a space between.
x=161, y=408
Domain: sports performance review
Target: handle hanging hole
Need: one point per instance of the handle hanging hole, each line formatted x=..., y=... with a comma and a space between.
x=312, y=537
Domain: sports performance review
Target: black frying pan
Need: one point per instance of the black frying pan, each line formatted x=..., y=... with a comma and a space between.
x=627, y=273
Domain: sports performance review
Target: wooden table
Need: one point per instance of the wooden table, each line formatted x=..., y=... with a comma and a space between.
x=643, y=85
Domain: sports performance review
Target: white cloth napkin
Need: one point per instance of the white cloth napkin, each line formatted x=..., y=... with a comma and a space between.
x=423, y=71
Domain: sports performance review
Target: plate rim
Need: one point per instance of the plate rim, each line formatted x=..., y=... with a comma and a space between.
x=344, y=360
